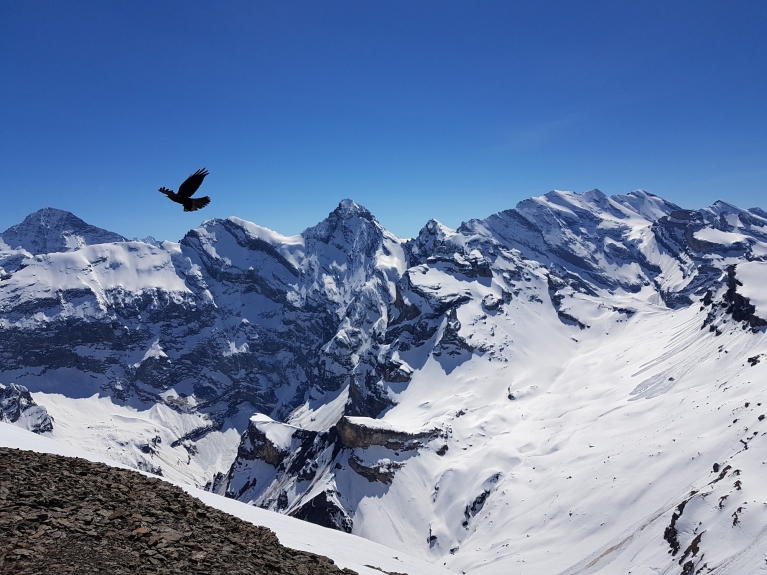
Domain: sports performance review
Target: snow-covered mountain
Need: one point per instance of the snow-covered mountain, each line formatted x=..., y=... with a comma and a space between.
x=50, y=230
x=574, y=385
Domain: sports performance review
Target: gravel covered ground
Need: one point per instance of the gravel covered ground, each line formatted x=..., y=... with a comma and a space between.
x=64, y=515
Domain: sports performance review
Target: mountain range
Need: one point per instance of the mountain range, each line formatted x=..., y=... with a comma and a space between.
x=575, y=385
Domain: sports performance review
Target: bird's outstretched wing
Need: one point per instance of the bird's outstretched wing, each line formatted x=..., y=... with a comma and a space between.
x=191, y=184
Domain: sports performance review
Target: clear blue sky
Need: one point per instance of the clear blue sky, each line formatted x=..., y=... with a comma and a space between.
x=416, y=109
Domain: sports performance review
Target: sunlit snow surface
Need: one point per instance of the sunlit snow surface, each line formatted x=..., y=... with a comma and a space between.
x=719, y=237
x=593, y=454
x=141, y=437
x=346, y=550
x=102, y=269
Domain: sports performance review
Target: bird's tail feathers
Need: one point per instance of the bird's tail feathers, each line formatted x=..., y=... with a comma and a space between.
x=165, y=191
x=193, y=204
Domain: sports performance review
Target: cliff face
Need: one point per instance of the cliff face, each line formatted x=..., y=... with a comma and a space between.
x=18, y=407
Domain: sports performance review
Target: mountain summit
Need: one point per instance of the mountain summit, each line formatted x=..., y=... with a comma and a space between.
x=51, y=230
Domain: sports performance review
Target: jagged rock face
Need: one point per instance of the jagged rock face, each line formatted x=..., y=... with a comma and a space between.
x=382, y=472
x=293, y=470
x=314, y=305
x=597, y=238
x=18, y=407
x=731, y=306
x=355, y=434
x=233, y=320
x=378, y=364
x=625, y=242
x=240, y=312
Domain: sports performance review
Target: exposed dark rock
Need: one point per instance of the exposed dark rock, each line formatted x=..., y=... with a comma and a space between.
x=355, y=435
x=739, y=306
x=475, y=507
x=381, y=472
x=325, y=510
x=256, y=445
x=196, y=434
x=452, y=343
x=69, y=516
x=395, y=372
x=406, y=311
x=491, y=303
x=17, y=404
x=262, y=326
x=692, y=549
x=566, y=318
x=367, y=397
x=670, y=534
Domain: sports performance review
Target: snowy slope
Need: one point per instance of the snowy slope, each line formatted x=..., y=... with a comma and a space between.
x=612, y=437
x=545, y=390
x=346, y=550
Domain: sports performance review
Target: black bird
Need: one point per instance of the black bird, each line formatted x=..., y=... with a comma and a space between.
x=186, y=190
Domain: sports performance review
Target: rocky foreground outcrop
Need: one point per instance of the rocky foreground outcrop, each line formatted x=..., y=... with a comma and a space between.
x=65, y=515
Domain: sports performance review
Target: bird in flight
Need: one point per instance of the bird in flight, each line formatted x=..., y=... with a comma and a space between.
x=186, y=190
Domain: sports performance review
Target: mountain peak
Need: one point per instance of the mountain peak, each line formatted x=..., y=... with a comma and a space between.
x=646, y=204
x=52, y=230
x=722, y=207
x=49, y=218
x=436, y=228
x=343, y=218
x=433, y=237
x=349, y=209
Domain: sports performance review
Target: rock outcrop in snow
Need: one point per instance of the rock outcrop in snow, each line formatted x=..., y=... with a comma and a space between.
x=18, y=407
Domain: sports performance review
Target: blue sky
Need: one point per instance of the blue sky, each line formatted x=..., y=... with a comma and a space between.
x=416, y=109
